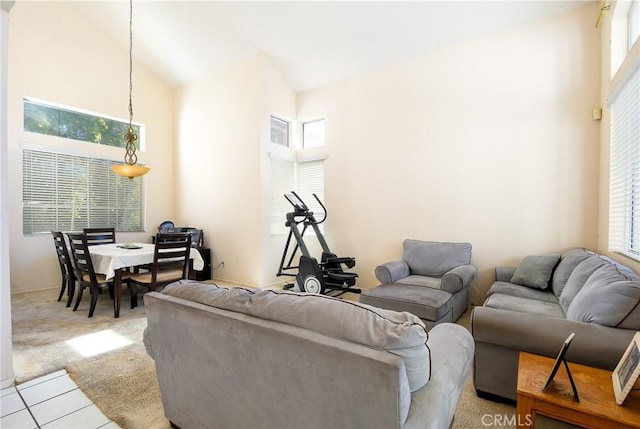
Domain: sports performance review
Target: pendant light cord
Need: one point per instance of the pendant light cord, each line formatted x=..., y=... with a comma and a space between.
x=130, y=61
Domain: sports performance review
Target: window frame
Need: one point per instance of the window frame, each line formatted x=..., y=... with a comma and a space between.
x=139, y=128
x=281, y=120
x=624, y=143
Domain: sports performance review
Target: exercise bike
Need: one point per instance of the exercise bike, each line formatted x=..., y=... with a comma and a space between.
x=325, y=277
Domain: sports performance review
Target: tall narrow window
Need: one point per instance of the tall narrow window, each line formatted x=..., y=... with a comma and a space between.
x=624, y=198
x=304, y=173
x=64, y=192
x=279, y=131
x=313, y=134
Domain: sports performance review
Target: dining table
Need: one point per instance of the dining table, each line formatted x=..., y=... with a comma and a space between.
x=110, y=259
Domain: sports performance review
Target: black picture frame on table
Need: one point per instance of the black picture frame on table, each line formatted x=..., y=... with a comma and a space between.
x=561, y=359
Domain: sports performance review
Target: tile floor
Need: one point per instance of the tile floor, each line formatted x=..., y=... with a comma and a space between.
x=50, y=402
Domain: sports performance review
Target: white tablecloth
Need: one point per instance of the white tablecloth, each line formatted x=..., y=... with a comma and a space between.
x=107, y=258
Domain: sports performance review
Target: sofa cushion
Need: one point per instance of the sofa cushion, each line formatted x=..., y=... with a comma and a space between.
x=512, y=289
x=535, y=271
x=524, y=305
x=428, y=258
x=610, y=298
x=414, y=280
x=565, y=267
x=402, y=334
x=578, y=278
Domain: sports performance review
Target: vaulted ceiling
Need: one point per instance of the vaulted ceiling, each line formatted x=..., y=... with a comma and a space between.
x=312, y=43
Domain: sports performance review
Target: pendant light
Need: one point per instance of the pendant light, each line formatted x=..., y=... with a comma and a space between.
x=130, y=169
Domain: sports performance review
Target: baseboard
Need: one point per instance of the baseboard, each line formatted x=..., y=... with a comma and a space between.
x=7, y=383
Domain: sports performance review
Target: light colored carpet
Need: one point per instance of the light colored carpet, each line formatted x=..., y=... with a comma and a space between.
x=122, y=382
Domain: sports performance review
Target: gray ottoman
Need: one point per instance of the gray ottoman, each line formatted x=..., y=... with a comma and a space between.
x=433, y=306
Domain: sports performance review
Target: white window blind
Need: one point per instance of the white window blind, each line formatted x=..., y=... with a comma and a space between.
x=311, y=181
x=64, y=192
x=624, y=195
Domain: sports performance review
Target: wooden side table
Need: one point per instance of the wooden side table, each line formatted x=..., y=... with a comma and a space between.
x=597, y=408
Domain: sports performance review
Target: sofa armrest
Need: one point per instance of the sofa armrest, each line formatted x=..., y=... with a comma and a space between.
x=433, y=406
x=390, y=272
x=458, y=278
x=504, y=274
x=147, y=341
x=593, y=345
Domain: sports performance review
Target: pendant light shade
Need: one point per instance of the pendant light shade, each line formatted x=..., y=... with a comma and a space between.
x=130, y=168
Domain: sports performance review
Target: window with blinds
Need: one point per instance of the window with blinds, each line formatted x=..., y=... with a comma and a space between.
x=300, y=170
x=624, y=194
x=63, y=192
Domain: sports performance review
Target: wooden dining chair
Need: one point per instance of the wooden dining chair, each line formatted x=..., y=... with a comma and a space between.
x=97, y=236
x=67, y=270
x=85, y=273
x=170, y=264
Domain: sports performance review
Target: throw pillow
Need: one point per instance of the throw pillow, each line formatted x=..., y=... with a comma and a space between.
x=535, y=271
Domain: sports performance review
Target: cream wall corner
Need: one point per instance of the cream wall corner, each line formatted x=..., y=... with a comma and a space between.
x=223, y=135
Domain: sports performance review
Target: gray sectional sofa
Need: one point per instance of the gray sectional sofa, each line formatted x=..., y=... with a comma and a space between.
x=243, y=358
x=535, y=306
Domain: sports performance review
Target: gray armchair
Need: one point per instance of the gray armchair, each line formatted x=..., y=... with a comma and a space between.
x=431, y=281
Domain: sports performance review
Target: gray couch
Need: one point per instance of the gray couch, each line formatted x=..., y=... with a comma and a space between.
x=535, y=307
x=241, y=358
x=431, y=280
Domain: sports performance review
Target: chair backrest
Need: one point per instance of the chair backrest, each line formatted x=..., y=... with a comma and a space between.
x=100, y=235
x=197, y=235
x=434, y=258
x=171, y=252
x=64, y=259
x=81, y=256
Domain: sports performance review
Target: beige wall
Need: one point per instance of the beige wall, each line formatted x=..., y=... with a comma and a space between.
x=223, y=173
x=219, y=165
x=490, y=141
x=56, y=54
